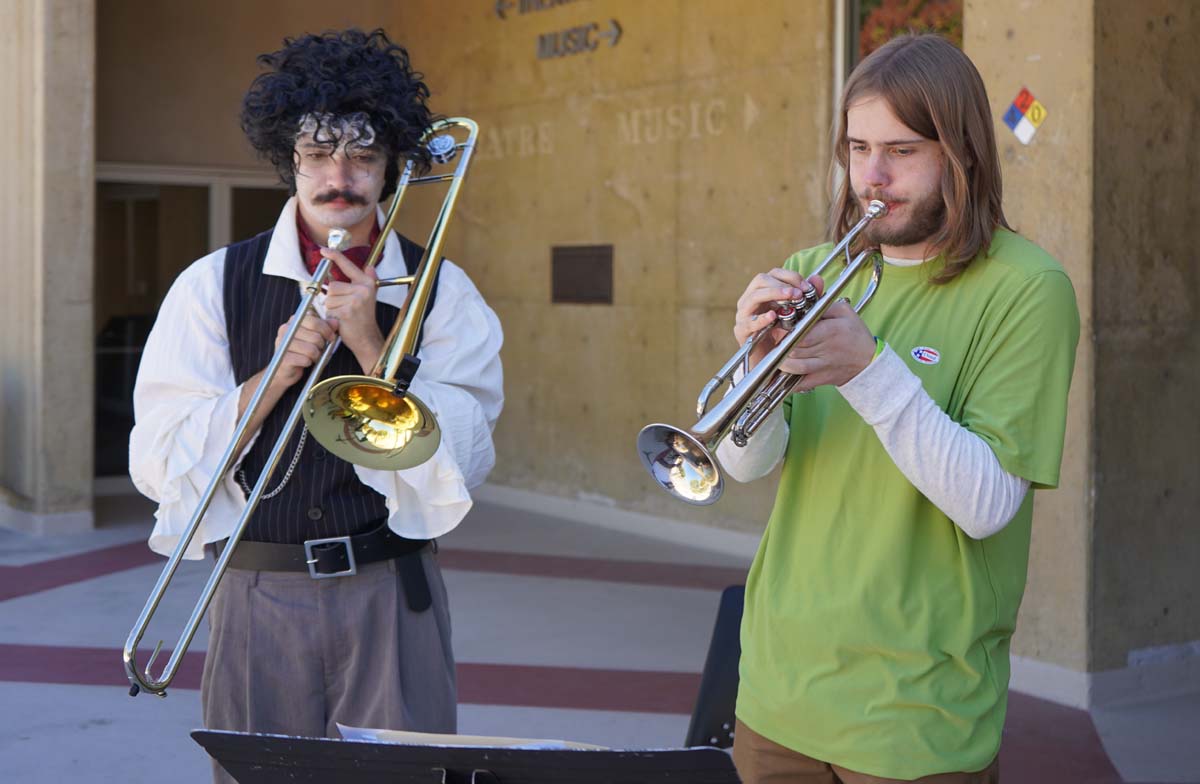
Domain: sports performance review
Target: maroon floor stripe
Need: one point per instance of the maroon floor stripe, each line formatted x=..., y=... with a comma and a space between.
x=603, y=569
x=579, y=688
x=86, y=666
x=56, y=572
x=1047, y=742
x=18, y=581
x=1043, y=742
x=478, y=684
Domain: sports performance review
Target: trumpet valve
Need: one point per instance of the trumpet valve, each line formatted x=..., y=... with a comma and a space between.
x=786, y=313
x=810, y=297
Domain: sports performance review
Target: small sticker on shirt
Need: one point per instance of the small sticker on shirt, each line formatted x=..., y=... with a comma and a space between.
x=926, y=355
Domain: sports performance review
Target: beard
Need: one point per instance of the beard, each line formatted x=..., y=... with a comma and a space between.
x=926, y=216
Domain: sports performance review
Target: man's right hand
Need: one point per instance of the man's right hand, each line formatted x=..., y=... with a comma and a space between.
x=311, y=339
x=754, y=311
x=314, y=335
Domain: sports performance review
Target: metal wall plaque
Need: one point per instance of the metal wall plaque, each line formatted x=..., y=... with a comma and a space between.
x=581, y=274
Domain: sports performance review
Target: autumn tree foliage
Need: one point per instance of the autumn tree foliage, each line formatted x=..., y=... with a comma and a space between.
x=883, y=20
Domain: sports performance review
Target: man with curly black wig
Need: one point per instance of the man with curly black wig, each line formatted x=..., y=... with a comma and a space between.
x=338, y=115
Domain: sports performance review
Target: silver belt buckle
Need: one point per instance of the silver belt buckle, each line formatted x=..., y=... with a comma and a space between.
x=312, y=560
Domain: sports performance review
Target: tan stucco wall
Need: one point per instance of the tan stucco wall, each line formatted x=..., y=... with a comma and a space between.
x=1047, y=197
x=171, y=74
x=46, y=82
x=1147, y=310
x=697, y=148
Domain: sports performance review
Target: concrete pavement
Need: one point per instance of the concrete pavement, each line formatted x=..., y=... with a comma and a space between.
x=561, y=630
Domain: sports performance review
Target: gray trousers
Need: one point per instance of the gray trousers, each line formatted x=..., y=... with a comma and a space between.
x=291, y=655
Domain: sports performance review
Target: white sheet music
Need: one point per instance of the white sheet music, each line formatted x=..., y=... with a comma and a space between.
x=433, y=739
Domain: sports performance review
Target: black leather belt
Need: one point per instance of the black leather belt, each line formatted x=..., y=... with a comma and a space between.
x=340, y=556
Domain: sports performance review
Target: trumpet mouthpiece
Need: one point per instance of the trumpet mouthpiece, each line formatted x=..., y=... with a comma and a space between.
x=876, y=209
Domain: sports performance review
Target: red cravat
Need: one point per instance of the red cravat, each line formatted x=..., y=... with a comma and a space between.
x=311, y=252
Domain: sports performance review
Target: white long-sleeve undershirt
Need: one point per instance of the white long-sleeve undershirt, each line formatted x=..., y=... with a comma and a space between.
x=951, y=466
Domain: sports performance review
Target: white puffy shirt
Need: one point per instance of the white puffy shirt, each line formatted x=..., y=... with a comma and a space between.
x=186, y=399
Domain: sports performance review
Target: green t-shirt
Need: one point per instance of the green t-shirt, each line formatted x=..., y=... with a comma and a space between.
x=876, y=633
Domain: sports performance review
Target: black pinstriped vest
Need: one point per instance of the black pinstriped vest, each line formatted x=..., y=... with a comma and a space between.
x=324, y=497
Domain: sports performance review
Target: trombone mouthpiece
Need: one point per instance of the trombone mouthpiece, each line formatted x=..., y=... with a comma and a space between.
x=443, y=148
x=876, y=209
x=339, y=239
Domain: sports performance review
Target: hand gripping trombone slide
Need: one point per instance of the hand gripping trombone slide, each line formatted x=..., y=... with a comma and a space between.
x=681, y=461
x=388, y=427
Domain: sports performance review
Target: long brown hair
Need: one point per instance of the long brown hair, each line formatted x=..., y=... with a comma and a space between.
x=934, y=89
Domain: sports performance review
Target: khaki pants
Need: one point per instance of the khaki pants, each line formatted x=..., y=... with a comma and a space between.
x=762, y=761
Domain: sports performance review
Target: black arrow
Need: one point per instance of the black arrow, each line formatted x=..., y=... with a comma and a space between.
x=613, y=33
x=502, y=6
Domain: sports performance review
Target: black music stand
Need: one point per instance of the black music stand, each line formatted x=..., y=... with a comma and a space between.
x=276, y=759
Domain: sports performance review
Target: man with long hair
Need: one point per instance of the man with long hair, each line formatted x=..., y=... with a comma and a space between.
x=290, y=652
x=882, y=600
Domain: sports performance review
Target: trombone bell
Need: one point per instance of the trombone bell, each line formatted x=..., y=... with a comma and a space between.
x=362, y=420
x=680, y=464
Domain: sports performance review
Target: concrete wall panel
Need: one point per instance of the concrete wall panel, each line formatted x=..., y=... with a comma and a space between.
x=1047, y=48
x=46, y=460
x=19, y=387
x=696, y=147
x=1147, y=328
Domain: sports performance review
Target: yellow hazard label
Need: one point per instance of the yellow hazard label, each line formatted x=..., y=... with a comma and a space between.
x=1036, y=113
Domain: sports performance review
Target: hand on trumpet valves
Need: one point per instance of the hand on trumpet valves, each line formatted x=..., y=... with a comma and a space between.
x=758, y=307
x=835, y=350
x=314, y=335
x=350, y=307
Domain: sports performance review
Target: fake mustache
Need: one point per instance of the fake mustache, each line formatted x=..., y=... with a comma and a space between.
x=348, y=196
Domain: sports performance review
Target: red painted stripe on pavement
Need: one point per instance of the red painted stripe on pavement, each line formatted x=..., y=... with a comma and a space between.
x=1047, y=742
x=1044, y=743
x=56, y=572
x=77, y=666
x=577, y=688
x=581, y=688
x=18, y=581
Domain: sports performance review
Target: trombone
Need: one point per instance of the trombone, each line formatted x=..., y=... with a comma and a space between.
x=408, y=428
x=683, y=462
x=374, y=420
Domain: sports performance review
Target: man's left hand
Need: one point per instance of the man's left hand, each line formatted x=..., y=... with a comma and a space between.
x=835, y=350
x=352, y=306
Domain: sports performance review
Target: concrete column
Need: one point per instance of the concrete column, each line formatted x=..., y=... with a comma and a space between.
x=1048, y=186
x=1109, y=185
x=47, y=73
x=1145, y=544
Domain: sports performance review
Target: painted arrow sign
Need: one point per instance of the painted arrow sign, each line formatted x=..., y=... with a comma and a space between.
x=577, y=40
x=613, y=33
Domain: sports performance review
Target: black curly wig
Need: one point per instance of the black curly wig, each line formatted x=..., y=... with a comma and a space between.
x=333, y=75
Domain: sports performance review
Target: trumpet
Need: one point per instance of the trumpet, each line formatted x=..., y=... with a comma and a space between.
x=682, y=462
x=397, y=430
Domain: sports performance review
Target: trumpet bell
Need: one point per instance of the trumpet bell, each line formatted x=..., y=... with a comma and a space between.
x=362, y=420
x=680, y=464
